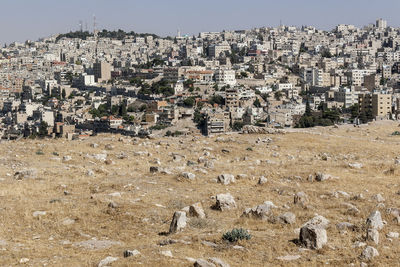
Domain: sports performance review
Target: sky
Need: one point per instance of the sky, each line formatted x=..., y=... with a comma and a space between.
x=22, y=20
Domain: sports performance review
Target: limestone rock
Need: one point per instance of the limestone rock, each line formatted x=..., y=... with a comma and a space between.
x=178, y=222
x=374, y=220
x=196, y=210
x=188, y=175
x=313, y=236
x=225, y=202
x=203, y=263
x=301, y=198
x=218, y=262
x=369, y=253
x=107, y=261
x=130, y=253
x=287, y=217
x=262, y=211
x=226, y=179
x=262, y=180
x=373, y=235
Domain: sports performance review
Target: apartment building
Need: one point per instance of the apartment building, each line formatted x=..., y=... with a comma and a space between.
x=225, y=76
x=380, y=105
x=102, y=71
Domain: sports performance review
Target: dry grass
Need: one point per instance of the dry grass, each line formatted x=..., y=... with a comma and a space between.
x=147, y=201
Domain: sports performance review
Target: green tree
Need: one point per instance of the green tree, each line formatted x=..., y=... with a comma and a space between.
x=257, y=103
x=63, y=94
x=189, y=102
x=43, y=128
x=278, y=95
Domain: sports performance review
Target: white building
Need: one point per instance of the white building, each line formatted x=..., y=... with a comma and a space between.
x=226, y=77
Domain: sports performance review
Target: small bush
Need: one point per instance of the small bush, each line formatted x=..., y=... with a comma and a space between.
x=236, y=234
x=249, y=149
x=39, y=152
x=396, y=133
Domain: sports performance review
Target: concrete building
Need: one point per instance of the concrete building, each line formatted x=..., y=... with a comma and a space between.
x=102, y=71
x=225, y=77
x=379, y=105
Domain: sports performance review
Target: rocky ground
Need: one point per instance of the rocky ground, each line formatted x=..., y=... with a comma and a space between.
x=322, y=196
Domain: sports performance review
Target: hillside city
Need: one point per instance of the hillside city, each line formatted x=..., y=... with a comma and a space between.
x=81, y=83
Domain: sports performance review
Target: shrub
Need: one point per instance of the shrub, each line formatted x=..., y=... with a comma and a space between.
x=39, y=152
x=236, y=234
x=396, y=133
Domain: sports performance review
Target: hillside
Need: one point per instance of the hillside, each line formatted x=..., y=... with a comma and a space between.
x=74, y=203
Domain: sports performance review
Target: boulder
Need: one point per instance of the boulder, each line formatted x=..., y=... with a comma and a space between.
x=262, y=211
x=287, y=217
x=373, y=235
x=107, y=261
x=378, y=198
x=313, y=236
x=369, y=253
x=130, y=253
x=178, y=222
x=355, y=165
x=26, y=174
x=320, y=177
x=188, y=175
x=218, y=262
x=196, y=210
x=318, y=221
x=203, y=263
x=225, y=202
x=226, y=179
x=300, y=198
x=346, y=226
x=262, y=180
x=374, y=220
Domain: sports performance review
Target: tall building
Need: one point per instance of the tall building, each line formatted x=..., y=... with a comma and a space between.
x=102, y=71
x=381, y=24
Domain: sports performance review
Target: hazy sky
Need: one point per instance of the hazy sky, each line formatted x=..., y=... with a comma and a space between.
x=31, y=19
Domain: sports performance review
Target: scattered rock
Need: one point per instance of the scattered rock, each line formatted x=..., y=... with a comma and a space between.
x=26, y=174
x=301, y=198
x=226, y=179
x=196, y=210
x=392, y=235
x=320, y=177
x=262, y=180
x=373, y=235
x=262, y=211
x=178, y=222
x=218, y=262
x=166, y=253
x=67, y=158
x=109, y=147
x=203, y=263
x=313, y=237
x=369, y=253
x=346, y=226
x=188, y=175
x=225, y=202
x=355, y=165
x=289, y=258
x=38, y=213
x=378, y=198
x=130, y=253
x=107, y=261
x=287, y=217
x=374, y=220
